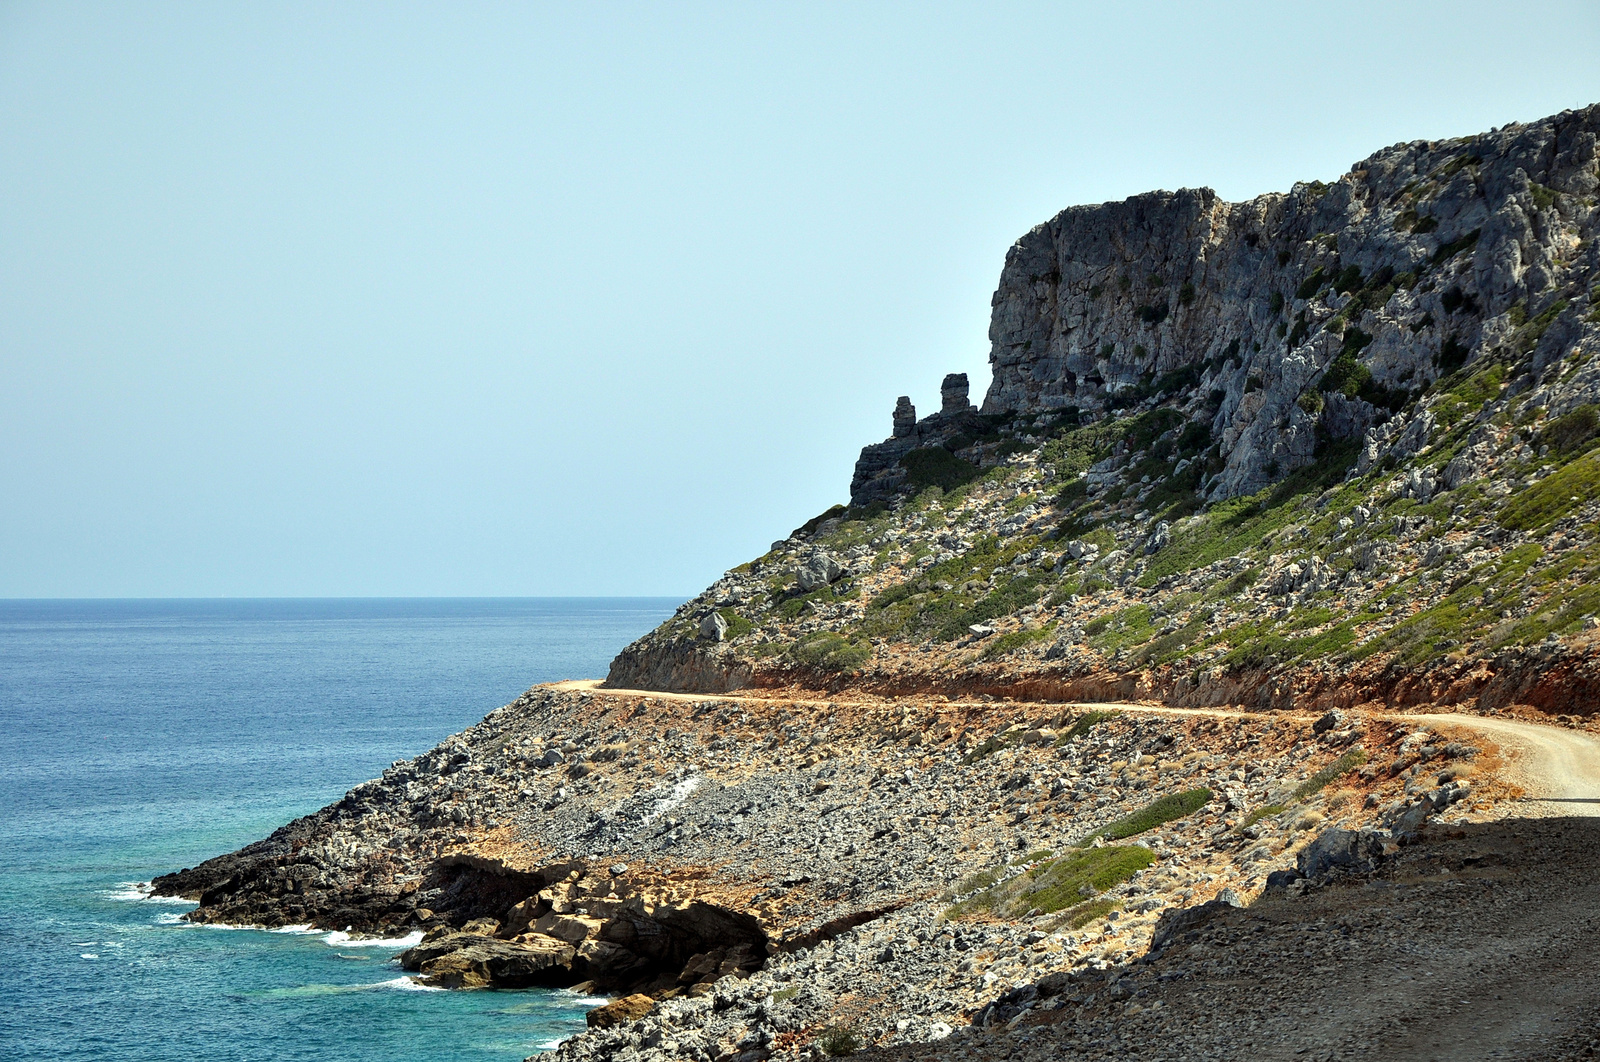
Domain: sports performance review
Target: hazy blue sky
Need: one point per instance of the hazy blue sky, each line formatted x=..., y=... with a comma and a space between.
x=474, y=299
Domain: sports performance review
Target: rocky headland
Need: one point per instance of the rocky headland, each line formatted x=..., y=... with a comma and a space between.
x=1149, y=706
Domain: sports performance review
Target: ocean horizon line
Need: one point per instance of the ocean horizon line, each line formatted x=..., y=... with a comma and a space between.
x=350, y=597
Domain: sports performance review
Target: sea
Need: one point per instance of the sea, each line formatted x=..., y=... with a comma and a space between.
x=138, y=737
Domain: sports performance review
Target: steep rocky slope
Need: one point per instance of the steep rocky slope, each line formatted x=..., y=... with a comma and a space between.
x=1317, y=449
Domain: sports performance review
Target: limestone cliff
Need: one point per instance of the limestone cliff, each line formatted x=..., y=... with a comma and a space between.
x=1331, y=445
x=1299, y=316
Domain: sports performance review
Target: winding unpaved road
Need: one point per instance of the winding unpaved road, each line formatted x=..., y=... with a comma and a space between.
x=1558, y=769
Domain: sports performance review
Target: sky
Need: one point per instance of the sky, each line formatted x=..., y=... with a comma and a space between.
x=587, y=299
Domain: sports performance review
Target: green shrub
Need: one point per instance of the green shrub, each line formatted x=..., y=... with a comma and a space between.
x=1083, y=724
x=839, y=1041
x=1260, y=813
x=830, y=513
x=1467, y=397
x=1527, y=336
x=934, y=466
x=1014, y=640
x=1452, y=354
x=981, y=879
x=1343, y=765
x=1086, y=912
x=1455, y=247
x=827, y=651
x=793, y=606
x=1349, y=279
x=1568, y=434
x=1457, y=164
x=1311, y=285
x=1167, y=808
x=737, y=624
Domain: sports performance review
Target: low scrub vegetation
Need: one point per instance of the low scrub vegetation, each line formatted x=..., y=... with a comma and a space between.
x=1173, y=806
x=1056, y=884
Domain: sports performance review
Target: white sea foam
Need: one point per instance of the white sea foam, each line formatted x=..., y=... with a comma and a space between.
x=88, y=955
x=551, y=1045
x=140, y=891
x=303, y=928
x=592, y=1001
x=169, y=918
x=407, y=984
x=341, y=939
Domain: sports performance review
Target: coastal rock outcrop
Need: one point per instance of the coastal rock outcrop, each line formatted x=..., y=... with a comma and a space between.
x=1319, y=313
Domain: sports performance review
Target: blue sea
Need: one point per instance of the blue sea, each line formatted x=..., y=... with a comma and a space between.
x=137, y=737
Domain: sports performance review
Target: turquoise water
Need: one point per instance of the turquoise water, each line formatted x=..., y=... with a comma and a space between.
x=137, y=737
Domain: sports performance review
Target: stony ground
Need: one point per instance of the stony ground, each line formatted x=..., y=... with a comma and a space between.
x=1477, y=944
x=877, y=864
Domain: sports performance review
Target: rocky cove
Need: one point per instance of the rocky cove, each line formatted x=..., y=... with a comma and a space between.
x=1239, y=623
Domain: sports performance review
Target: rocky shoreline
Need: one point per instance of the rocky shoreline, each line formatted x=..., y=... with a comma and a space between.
x=697, y=850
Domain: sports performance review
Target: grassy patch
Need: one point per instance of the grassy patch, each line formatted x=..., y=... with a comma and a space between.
x=1011, y=642
x=1260, y=813
x=974, y=882
x=1058, y=884
x=1553, y=497
x=1081, y=915
x=791, y=607
x=1242, y=524
x=1121, y=629
x=1343, y=765
x=737, y=624
x=1467, y=397
x=1166, y=809
x=839, y=1041
x=1083, y=724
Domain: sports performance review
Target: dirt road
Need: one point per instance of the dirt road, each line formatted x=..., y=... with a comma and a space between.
x=1559, y=769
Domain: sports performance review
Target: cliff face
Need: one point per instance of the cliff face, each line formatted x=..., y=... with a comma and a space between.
x=1337, y=444
x=1239, y=313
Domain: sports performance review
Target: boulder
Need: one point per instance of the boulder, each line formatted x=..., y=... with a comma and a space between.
x=1159, y=539
x=818, y=570
x=470, y=960
x=1334, y=718
x=713, y=627
x=1177, y=921
x=1350, y=851
x=620, y=1011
